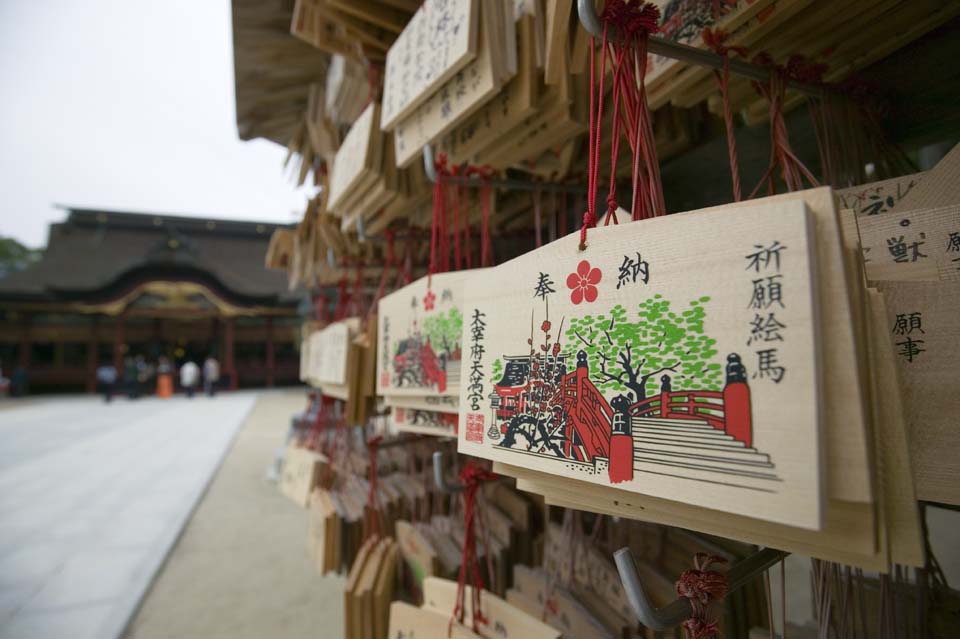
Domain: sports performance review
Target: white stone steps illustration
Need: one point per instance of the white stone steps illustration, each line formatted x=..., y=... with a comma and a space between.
x=725, y=442
x=705, y=431
x=699, y=451
x=695, y=448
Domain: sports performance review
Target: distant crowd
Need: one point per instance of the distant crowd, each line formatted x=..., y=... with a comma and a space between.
x=141, y=377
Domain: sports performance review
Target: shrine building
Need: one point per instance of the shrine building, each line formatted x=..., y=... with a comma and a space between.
x=113, y=285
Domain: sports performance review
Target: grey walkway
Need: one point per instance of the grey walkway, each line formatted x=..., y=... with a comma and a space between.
x=240, y=570
x=92, y=497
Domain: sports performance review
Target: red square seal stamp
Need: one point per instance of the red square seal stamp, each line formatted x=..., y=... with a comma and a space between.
x=475, y=428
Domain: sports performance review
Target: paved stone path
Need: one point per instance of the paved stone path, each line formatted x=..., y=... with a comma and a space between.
x=240, y=569
x=92, y=498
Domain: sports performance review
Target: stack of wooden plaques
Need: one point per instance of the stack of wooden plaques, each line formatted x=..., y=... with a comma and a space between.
x=909, y=231
x=367, y=190
x=369, y=589
x=860, y=34
x=700, y=370
x=301, y=474
x=321, y=130
x=419, y=359
x=432, y=83
x=347, y=90
x=361, y=30
x=501, y=619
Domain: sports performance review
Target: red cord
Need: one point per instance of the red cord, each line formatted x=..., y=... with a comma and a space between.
x=472, y=477
x=702, y=587
x=714, y=39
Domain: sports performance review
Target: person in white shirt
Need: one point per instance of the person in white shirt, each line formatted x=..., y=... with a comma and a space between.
x=189, y=376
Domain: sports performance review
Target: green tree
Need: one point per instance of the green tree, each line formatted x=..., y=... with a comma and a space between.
x=14, y=256
x=444, y=330
x=627, y=354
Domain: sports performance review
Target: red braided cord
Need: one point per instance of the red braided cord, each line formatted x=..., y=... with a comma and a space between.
x=596, y=113
x=373, y=499
x=702, y=587
x=472, y=476
x=714, y=39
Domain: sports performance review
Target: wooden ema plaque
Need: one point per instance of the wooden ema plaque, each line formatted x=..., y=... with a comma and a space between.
x=920, y=245
x=330, y=367
x=419, y=332
x=676, y=358
x=439, y=40
x=877, y=197
x=460, y=96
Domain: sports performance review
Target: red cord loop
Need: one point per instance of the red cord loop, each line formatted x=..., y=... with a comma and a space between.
x=702, y=587
x=472, y=477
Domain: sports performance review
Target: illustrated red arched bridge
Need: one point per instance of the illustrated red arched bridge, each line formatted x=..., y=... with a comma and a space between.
x=416, y=364
x=698, y=434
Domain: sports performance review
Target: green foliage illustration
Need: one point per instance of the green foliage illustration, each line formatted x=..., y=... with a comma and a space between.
x=444, y=331
x=497, y=373
x=631, y=353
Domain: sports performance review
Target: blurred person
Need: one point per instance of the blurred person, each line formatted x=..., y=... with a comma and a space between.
x=106, y=380
x=130, y=378
x=189, y=376
x=164, y=378
x=211, y=375
x=143, y=374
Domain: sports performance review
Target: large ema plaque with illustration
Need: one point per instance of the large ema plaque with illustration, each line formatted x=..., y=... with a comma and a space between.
x=675, y=357
x=419, y=330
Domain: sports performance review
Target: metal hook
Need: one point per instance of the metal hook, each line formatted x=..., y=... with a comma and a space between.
x=440, y=479
x=700, y=57
x=679, y=610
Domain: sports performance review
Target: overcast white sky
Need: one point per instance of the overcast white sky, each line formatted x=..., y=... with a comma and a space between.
x=127, y=105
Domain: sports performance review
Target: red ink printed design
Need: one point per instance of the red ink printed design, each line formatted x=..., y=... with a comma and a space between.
x=475, y=428
x=584, y=283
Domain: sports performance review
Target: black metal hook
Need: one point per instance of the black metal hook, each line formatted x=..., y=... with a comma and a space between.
x=692, y=55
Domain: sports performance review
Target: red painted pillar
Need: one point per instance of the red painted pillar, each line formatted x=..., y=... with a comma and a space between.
x=271, y=358
x=228, y=367
x=736, y=411
x=737, y=416
x=621, y=442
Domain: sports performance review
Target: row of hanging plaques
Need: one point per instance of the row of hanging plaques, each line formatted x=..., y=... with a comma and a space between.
x=726, y=370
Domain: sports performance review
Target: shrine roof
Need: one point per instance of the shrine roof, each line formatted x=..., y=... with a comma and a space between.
x=93, y=252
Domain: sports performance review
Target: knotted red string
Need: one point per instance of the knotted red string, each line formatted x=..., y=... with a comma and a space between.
x=467, y=248
x=593, y=139
x=800, y=68
x=320, y=306
x=714, y=39
x=389, y=262
x=372, y=522
x=792, y=170
x=356, y=296
x=457, y=254
x=702, y=587
x=343, y=299
x=486, y=194
x=472, y=476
